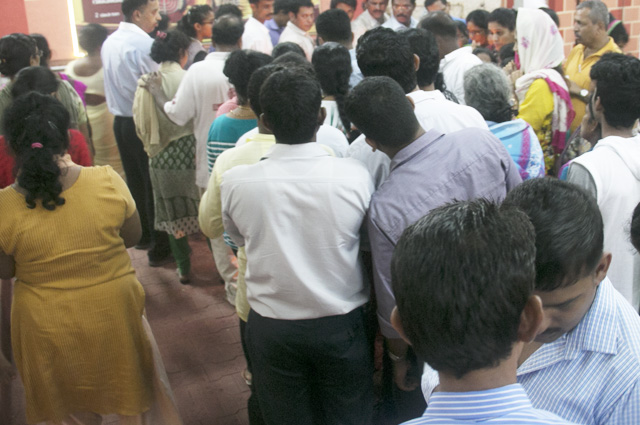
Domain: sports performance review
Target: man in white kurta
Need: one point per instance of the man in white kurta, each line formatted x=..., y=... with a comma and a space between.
x=301, y=19
x=256, y=35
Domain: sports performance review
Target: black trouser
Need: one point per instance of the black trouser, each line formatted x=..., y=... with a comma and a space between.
x=310, y=372
x=136, y=166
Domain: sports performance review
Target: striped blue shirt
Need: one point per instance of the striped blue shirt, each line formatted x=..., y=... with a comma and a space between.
x=591, y=375
x=504, y=405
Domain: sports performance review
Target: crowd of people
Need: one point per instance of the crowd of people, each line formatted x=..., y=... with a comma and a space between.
x=452, y=196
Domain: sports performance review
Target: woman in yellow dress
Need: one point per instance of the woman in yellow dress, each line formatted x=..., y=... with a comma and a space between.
x=81, y=344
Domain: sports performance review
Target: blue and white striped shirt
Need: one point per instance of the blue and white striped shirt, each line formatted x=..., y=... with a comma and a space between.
x=504, y=405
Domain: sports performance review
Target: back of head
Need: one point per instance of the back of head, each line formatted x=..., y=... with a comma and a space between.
x=334, y=25
x=130, y=6
x=332, y=65
x=384, y=52
x=16, y=52
x=479, y=259
x=227, y=30
x=380, y=109
x=617, y=79
x=618, y=32
x=504, y=17
x=440, y=24
x=256, y=81
x=287, y=47
x=552, y=14
x=487, y=89
x=598, y=12
x=290, y=101
x=196, y=14
x=170, y=46
x=479, y=18
x=569, y=230
x=36, y=130
x=228, y=9
x=423, y=44
x=43, y=47
x=239, y=66
x=91, y=37
x=35, y=78
x=635, y=228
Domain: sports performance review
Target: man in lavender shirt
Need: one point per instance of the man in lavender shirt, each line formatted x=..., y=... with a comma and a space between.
x=428, y=169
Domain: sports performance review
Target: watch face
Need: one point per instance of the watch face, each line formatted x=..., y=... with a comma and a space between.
x=584, y=92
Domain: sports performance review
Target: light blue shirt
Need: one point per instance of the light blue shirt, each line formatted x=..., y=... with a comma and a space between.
x=591, y=375
x=125, y=58
x=504, y=405
x=356, y=74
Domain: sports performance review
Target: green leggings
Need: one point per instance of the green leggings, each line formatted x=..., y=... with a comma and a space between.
x=180, y=250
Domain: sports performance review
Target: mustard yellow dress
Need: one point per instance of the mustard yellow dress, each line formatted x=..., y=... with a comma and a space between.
x=77, y=333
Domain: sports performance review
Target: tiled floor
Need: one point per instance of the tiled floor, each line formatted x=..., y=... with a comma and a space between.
x=198, y=335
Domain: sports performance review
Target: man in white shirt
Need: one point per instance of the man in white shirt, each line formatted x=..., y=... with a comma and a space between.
x=298, y=213
x=454, y=60
x=125, y=58
x=301, y=17
x=256, y=36
x=373, y=16
x=402, y=11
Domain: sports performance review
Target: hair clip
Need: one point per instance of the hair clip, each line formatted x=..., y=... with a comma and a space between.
x=53, y=126
x=36, y=145
x=161, y=35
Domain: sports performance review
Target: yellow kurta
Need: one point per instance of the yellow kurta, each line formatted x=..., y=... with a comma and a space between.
x=76, y=326
x=537, y=109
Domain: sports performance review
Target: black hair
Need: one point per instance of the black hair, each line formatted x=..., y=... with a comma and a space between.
x=287, y=47
x=506, y=54
x=428, y=3
x=228, y=9
x=239, y=66
x=384, y=52
x=282, y=5
x=170, y=46
x=195, y=15
x=552, y=13
x=439, y=84
x=635, y=228
x=617, y=31
x=491, y=53
x=380, y=109
x=295, y=5
x=462, y=28
x=462, y=275
x=569, y=230
x=335, y=3
x=334, y=25
x=92, y=36
x=16, y=51
x=290, y=102
x=424, y=45
x=256, y=81
x=130, y=6
x=479, y=18
x=440, y=24
x=163, y=23
x=36, y=130
x=332, y=64
x=43, y=46
x=617, y=79
x=504, y=17
x=227, y=30
x=35, y=78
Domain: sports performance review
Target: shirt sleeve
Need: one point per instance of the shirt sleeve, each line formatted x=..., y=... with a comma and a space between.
x=626, y=410
x=580, y=176
x=183, y=106
x=122, y=189
x=210, y=213
x=226, y=195
x=537, y=106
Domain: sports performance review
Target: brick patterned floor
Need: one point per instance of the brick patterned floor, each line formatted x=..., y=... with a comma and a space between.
x=199, y=338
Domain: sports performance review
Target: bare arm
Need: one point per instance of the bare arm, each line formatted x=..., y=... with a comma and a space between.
x=7, y=266
x=131, y=230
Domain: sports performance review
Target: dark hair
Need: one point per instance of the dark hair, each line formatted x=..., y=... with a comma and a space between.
x=239, y=66
x=617, y=31
x=43, y=46
x=504, y=17
x=440, y=24
x=335, y=3
x=462, y=276
x=332, y=64
x=256, y=81
x=92, y=36
x=569, y=230
x=16, y=51
x=635, y=228
x=506, y=54
x=491, y=53
x=334, y=25
x=462, y=27
x=282, y=5
x=170, y=47
x=227, y=30
x=552, y=13
x=297, y=4
x=428, y=3
x=479, y=18
x=380, y=109
x=282, y=49
x=384, y=52
x=424, y=45
x=35, y=78
x=130, y=6
x=228, y=9
x=617, y=79
x=195, y=15
x=37, y=118
x=290, y=101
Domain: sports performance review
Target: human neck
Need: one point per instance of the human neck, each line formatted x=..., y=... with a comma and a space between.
x=589, y=50
x=608, y=130
x=225, y=48
x=448, y=47
x=430, y=87
x=391, y=152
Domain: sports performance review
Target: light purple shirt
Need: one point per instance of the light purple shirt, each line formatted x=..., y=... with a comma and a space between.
x=433, y=170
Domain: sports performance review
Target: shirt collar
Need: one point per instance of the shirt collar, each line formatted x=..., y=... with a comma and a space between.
x=129, y=27
x=217, y=56
x=611, y=46
x=262, y=138
x=419, y=95
x=293, y=27
x=272, y=25
x=414, y=148
x=457, y=53
x=478, y=405
x=303, y=150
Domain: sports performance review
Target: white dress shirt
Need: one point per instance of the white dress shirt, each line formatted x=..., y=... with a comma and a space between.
x=294, y=34
x=202, y=90
x=125, y=58
x=363, y=23
x=298, y=213
x=328, y=136
x=454, y=65
x=256, y=37
x=393, y=23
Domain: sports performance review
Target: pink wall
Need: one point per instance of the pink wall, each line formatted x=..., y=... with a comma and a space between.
x=14, y=17
x=51, y=19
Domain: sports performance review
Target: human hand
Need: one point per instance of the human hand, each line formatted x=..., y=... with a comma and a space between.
x=152, y=82
x=400, y=369
x=7, y=370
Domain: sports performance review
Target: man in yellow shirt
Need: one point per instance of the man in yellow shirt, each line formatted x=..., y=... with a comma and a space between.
x=590, y=26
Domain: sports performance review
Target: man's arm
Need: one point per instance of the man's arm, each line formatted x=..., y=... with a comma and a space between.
x=626, y=410
x=210, y=213
x=226, y=199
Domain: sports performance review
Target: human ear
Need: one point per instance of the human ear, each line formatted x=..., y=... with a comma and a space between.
x=322, y=115
x=396, y=322
x=264, y=122
x=416, y=62
x=531, y=319
x=603, y=267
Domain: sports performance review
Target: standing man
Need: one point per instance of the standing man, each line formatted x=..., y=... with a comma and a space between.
x=125, y=58
x=301, y=17
x=279, y=19
x=349, y=6
x=402, y=11
x=590, y=26
x=256, y=35
x=373, y=16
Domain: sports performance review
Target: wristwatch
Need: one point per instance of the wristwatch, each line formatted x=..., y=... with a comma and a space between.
x=583, y=94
